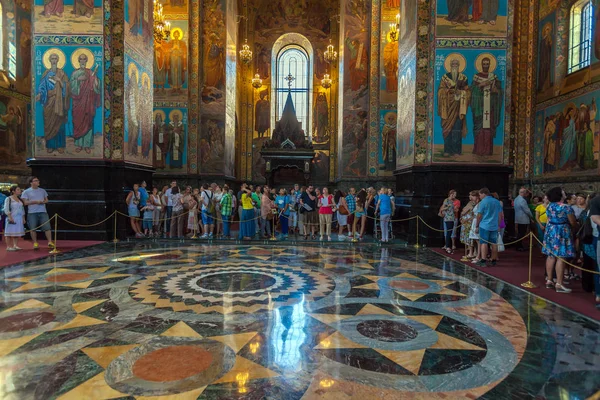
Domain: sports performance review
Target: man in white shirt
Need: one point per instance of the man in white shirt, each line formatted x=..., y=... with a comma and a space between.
x=523, y=217
x=208, y=221
x=169, y=208
x=35, y=198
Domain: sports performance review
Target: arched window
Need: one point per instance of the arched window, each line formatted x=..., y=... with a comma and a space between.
x=580, y=35
x=293, y=62
x=292, y=53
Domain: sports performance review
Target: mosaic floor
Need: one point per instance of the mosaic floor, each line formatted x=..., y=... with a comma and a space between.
x=188, y=321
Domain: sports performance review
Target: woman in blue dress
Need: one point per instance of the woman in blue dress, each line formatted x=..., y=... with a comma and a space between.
x=558, y=238
x=15, y=221
x=133, y=200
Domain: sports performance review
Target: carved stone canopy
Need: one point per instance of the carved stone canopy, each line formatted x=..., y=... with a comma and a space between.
x=288, y=131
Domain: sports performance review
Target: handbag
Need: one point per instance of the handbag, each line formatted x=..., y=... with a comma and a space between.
x=500, y=243
x=343, y=210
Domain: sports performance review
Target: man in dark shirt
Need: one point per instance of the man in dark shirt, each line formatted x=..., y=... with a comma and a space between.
x=595, y=215
x=308, y=200
x=239, y=201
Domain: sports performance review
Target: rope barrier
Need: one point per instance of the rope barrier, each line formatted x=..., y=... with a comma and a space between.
x=563, y=260
x=90, y=225
x=56, y=217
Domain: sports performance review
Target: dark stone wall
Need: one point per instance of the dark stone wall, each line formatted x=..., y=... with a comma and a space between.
x=87, y=192
x=420, y=190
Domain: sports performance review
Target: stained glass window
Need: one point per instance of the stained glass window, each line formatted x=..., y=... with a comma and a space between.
x=293, y=61
x=580, y=35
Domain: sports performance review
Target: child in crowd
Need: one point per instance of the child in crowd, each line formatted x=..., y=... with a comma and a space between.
x=147, y=221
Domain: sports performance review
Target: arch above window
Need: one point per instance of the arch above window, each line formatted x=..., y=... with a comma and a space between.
x=580, y=35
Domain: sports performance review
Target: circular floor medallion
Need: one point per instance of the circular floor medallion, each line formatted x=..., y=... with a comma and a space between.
x=236, y=282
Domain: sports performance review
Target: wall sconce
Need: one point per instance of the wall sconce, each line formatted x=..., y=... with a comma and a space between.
x=326, y=81
x=256, y=81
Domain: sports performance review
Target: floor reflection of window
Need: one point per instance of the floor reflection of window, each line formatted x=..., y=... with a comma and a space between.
x=287, y=335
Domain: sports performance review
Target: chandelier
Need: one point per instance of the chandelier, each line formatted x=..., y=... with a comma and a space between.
x=256, y=81
x=326, y=81
x=162, y=28
x=246, y=53
x=394, y=29
x=330, y=55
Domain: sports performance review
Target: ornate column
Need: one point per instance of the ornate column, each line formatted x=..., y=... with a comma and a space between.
x=462, y=107
x=92, y=107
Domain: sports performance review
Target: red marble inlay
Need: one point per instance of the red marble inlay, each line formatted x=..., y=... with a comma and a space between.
x=172, y=363
x=74, y=276
x=259, y=252
x=26, y=321
x=408, y=285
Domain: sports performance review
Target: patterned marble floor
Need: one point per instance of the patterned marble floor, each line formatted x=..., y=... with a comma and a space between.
x=187, y=321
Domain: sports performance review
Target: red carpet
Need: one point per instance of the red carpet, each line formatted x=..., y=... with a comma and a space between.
x=512, y=268
x=28, y=254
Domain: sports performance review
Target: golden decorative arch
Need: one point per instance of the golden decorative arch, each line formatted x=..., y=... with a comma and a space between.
x=61, y=57
x=80, y=51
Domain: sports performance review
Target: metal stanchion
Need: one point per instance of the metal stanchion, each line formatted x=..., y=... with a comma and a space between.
x=195, y=236
x=354, y=223
x=417, y=245
x=55, y=249
x=529, y=284
x=465, y=258
x=115, y=240
x=274, y=212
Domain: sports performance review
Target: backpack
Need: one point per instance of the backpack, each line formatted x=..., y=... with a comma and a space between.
x=210, y=208
x=586, y=232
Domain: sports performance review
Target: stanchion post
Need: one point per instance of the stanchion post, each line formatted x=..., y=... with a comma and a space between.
x=115, y=240
x=529, y=284
x=274, y=212
x=354, y=223
x=195, y=236
x=417, y=245
x=55, y=249
x=465, y=258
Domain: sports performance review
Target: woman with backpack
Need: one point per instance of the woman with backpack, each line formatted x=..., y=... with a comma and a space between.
x=588, y=243
x=15, y=219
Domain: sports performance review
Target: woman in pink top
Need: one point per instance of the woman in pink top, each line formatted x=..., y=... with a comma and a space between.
x=266, y=205
x=326, y=208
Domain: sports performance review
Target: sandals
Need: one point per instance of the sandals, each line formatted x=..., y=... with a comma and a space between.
x=449, y=251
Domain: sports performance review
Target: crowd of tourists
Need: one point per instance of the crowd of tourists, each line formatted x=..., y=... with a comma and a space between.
x=262, y=212
x=565, y=225
x=15, y=220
